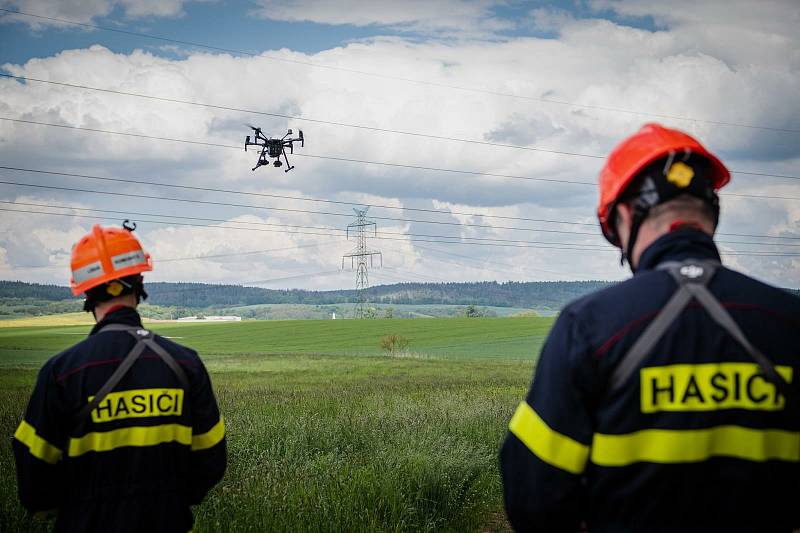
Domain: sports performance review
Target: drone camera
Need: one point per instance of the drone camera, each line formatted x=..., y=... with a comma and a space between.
x=277, y=163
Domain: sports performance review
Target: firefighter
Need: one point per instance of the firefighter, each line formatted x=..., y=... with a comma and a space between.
x=122, y=431
x=667, y=402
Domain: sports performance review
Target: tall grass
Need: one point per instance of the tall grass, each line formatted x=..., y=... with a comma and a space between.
x=339, y=443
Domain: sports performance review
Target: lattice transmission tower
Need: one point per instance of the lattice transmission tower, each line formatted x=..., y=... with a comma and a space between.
x=361, y=255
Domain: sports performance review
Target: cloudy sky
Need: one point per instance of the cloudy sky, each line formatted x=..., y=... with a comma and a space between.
x=474, y=129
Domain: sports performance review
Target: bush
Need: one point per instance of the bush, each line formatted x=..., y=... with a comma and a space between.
x=394, y=342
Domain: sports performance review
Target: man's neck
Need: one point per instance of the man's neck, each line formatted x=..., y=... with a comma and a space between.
x=104, y=308
x=650, y=232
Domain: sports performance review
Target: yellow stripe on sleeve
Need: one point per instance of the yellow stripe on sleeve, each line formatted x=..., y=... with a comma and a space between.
x=38, y=447
x=104, y=441
x=547, y=444
x=669, y=446
x=210, y=438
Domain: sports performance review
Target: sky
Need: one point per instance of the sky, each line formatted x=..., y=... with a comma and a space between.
x=473, y=131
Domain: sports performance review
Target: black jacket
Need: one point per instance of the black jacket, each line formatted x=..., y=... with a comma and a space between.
x=149, y=451
x=695, y=440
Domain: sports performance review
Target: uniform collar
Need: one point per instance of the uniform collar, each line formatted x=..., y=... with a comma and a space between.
x=124, y=315
x=683, y=243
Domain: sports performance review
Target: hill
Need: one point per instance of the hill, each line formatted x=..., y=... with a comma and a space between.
x=545, y=295
x=171, y=300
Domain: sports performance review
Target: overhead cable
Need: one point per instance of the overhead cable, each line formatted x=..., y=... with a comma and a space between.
x=141, y=181
x=306, y=119
x=400, y=78
x=339, y=231
x=442, y=240
x=268, y=208
x=355, y=126
x=364, y=161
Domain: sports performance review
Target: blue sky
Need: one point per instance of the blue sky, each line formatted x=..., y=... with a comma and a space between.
x=223, y=24
x=569, y=77
x=232, y=25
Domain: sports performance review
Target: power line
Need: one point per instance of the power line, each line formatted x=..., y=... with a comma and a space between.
x=196, y=257
x=141, y=181
x=306, y=119
x=364, y=161
x=559, y=246
x=440, y=241
x=186, y=200
x=348, y=125
x=397, y=219
x=182, y=217
x=158, y=292
x=292, y=226
x=248, y=252
x=403, y=79
x=482, y=264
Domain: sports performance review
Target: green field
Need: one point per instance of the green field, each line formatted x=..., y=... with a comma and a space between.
x=326, y=431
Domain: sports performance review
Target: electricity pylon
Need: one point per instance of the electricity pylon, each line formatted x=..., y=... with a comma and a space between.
x=360, y=255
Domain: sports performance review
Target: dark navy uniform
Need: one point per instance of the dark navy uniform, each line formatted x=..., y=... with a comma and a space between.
x=147, y=452
x=696, y=439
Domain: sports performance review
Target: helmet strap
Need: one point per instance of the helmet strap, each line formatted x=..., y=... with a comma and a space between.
x=640, y=212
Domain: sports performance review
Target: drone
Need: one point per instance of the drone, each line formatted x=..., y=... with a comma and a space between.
x=273, y=148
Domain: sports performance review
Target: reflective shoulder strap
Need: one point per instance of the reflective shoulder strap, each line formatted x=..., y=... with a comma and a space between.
x=691, y=271
x=169, y=360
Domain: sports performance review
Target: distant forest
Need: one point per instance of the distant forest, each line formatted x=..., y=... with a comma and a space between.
x=552, y=295
x=542, y=295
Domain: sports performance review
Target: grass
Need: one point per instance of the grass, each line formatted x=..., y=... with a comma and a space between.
x=325, y=433
x=64, y=319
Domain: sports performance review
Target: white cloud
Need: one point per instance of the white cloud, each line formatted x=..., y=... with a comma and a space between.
x=85, y=11
x=454, y=17
x=592, y=63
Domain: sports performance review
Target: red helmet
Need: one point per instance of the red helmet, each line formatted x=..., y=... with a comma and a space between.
x=105, y=254
x=650, y=143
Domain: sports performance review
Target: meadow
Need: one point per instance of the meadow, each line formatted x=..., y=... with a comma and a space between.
x=326, y=431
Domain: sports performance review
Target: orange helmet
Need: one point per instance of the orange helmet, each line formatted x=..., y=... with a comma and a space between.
x=632, y=155
x=106, y=254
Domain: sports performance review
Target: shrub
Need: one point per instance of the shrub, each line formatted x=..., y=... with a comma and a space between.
x=394, y=342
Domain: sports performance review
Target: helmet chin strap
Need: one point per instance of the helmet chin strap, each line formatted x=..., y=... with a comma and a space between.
x=640, y=211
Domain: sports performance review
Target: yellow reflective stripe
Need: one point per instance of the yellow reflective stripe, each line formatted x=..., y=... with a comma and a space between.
x=39, y=448
x=547, y=444
x=210, y=438
x=104, y=441
x=694, y=445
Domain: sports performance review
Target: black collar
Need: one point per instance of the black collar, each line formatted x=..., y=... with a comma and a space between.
x=685, y=243
x=124, y=315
